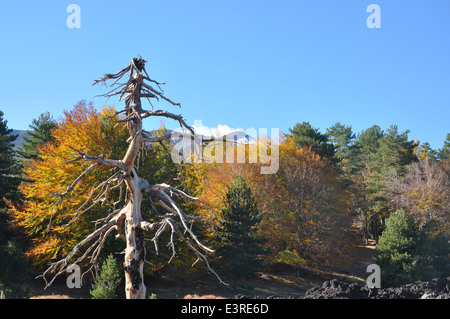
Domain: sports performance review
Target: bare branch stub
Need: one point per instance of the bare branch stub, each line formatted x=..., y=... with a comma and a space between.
x=128, y=221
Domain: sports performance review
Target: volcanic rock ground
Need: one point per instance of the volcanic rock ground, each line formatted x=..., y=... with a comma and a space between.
x=438, y=288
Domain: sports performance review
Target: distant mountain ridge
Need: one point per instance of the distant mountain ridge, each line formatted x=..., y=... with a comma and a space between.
x=236, y=136
x=21, y=134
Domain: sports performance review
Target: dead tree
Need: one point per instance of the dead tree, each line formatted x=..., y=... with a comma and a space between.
x=128, y=221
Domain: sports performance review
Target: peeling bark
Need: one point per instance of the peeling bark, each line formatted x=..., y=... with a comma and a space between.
x=135, y=251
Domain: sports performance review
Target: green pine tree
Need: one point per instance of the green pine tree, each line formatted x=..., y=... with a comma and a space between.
x=9, y=179
x=395, y=151
x=372, y=158
x=13, y=271
x=40, y=133
x=342, y=137
x=365, y=146
x=444, y=152
x=407, y=255
x=395, y=249
x=8, y=164
x=306, y=135
x=107, y=283
x=241, y=218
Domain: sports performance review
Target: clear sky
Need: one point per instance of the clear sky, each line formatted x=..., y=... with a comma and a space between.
x=241, y=63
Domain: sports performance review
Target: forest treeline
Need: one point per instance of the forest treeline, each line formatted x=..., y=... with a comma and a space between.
x=332, y=191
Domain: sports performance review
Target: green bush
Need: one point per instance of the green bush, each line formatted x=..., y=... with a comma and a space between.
x=407, y=255
x=107, y=283
x=13, y=271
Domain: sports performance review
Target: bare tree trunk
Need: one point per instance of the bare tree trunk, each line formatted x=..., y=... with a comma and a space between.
x=134, y=236
x=134, y=253
x=128, y=221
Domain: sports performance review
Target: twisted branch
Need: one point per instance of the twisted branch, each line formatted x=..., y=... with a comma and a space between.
x=128, y=220
x=61, y=266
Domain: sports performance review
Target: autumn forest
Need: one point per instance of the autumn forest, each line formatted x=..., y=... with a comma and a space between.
x=334, y=190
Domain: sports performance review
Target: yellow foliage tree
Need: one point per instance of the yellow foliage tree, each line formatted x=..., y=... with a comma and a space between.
x=303, y=205
x=39, y=217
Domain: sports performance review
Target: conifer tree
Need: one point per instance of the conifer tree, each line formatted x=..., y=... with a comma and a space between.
x=239, y=228
x=13, y=275
x=341, y=136
x=9, y=180
x=8, y=165
x=406, y=254
x=374, y=155
x=306, y=135
x=107, y=283
x=444, y=152
x=40, y=133
x=395, y=249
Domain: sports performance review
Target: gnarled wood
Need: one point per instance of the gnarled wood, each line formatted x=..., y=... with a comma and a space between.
x=128, y=221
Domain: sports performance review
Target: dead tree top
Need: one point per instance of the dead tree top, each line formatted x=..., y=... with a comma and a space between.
x=175, y=220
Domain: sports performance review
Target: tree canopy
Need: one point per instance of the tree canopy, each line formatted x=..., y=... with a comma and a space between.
x=306, y=135
x=38, y=216
x=40, y=133
x=304, y=215
x=9, y=176
x=239, y=227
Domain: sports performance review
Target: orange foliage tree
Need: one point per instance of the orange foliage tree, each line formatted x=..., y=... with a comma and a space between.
x=46, y=224
x=116, y=174
x=310, y=226
x=303, y=205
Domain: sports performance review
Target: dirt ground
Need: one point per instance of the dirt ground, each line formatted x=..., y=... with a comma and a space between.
x=58, y=290
x=362, y=258
x=285, y=282
x=175, y=286
x=170, y=284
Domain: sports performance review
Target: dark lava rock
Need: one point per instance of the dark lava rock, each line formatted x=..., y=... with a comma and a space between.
x=436, y=289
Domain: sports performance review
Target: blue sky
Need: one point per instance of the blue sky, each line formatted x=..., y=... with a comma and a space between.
x=241, y=63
